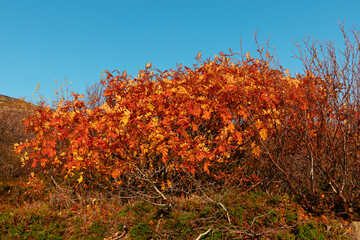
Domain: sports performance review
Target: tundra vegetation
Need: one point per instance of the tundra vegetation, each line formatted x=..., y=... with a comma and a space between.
x=234, y=147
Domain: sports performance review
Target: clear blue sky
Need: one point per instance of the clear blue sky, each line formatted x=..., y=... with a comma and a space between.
x=41, y=41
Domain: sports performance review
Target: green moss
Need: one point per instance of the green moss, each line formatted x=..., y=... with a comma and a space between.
x=139, y=209
x=35, y=225
x=97, y=229
x=273, y=219
x=286, y=236
x=274, y=200
x=290, y=217
x=237, y=212
x=141, y=231
x=311, y=230
x=215, y=235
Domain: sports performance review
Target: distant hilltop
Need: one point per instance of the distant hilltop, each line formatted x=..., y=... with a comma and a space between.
x=9, y=103
x=7, y=99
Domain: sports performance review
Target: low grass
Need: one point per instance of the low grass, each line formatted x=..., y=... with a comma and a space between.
x=253, y=215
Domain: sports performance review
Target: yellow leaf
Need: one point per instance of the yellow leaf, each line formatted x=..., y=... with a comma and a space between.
x=169, y=183
x=207, y=150
x=263, y=134
x=126, y=118
x=255, y=150
x=81, y=179
x=206, y=115
x=148, y=65
x=159, y=136
x=163, y=186
x=150, y=106
x=198, y=57
x=258, y=122
x=182, y=90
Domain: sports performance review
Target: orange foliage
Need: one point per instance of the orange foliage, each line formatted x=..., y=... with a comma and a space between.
x=200, y=121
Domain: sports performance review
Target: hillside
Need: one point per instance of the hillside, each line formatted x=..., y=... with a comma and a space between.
x=14, y=104
x=12, y=112
x=6, y=100
x=12, y=130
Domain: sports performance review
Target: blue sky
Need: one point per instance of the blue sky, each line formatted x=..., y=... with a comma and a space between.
x=41, y=41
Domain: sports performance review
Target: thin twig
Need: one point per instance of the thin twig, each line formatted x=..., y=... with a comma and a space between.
x=203, y=234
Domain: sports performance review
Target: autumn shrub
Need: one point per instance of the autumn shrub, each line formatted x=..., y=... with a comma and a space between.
x=166, y=129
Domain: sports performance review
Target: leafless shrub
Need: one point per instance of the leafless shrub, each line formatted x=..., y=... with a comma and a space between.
x=318, y=155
